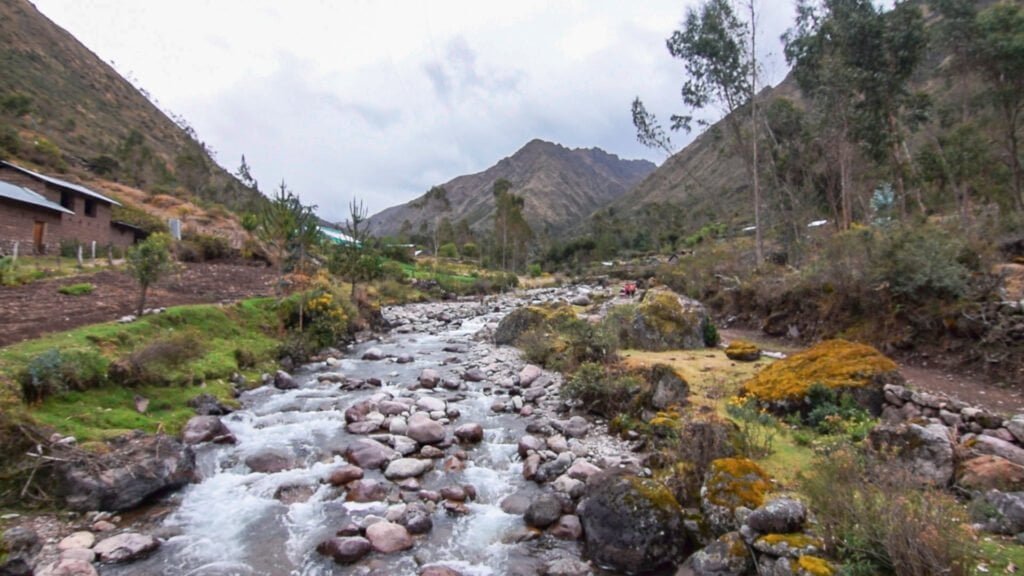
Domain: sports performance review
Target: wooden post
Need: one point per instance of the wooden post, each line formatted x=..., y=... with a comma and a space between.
x=94, y=253
x=110, y=255
x=14, y=257
x=81, y=264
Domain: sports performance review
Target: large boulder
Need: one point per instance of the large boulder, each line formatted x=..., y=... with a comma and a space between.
x=846, y=367
x=926, y=452
x=732, y=483
x=136, y=468
x=665, y=320
x=1007, y=512
x=670, y=389
x=518, y=321
x=988, y=472
x=779, y=516
x=403, y=468
x=543, y=511
x=346, y=550
x=388, y=537
x=206, y=429
x=632, y=524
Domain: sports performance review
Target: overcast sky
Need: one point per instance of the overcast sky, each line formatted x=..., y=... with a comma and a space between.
x=381, y=100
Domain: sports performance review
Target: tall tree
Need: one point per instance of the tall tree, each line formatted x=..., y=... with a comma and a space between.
x=719, y=71
x=512, y=234
x=288, y=228
x=357, y=260
x=244, y=175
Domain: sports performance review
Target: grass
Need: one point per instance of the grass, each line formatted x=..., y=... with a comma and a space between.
x=80, y=289
x=249, y=325
x=33, y=268
x=999, y=555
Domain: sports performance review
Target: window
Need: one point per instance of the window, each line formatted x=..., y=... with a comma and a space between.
x=90, y=207
x=67, y=200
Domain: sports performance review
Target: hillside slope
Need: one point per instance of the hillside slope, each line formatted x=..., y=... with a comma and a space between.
x=66, y=110
x=560, y=187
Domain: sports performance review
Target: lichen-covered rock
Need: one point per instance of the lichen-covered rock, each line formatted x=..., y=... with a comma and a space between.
x=802, y=566
x=666, y=321
x=779, y=516
x=632, y=524
x=670, y=389
x=790, y=545
x=848, y=367
x=1008, y=512
x=742, y=351
x=520, y=320
x=727, y=556
x=925, y=451
x=732, y=483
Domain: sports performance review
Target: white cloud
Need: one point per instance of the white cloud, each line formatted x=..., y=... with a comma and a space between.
x=381, y=100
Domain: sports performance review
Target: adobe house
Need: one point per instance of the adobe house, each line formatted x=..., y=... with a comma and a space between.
x=40, y=211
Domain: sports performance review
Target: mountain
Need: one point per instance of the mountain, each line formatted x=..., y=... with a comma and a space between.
x=65, y=110
x=560, y=186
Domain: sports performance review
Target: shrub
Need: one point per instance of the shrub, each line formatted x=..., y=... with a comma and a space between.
x=470, y=250
x=922, y=261
x=448, y=250
x=755, y=434
x=203, y=247
x=883, y=524
x=534, y=270
x=80, y=289
x=54, y=371
x=10, y=142
x=154, y=363
x=319, y=316
x=602, y=391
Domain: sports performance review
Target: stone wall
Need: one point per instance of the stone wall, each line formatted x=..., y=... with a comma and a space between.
x=903, y=404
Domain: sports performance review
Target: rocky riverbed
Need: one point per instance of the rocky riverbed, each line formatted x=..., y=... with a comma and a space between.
x=426, y=450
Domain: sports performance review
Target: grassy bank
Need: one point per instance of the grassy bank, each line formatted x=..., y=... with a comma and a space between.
x=166, y=358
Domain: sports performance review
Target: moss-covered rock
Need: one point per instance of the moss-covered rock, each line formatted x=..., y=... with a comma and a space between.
x=792, y=545
x=848, y=367
x=727, y=556
x=665, y=320
x=632, y=524
x=742, y=351
x=732, y=483
x=516, y=323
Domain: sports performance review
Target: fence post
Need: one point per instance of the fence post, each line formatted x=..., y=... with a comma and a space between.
x=14, y=257
x=81, y=264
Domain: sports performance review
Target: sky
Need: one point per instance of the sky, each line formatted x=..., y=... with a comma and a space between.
x=380, y=100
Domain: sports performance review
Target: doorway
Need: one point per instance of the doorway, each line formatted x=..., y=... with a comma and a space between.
x=38, y=236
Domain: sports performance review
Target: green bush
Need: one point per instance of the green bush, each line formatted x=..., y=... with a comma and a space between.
x=534, y=270
x=154, y=363
x=470, y=250
x=884, y=523
x=54, y=372
x=448, y=250
x=203, y=247
x=10, y=142
x=80, y=289
x=601, y=391
x=922, y=261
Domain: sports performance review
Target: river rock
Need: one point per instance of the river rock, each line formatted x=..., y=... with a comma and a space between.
x=373, y=354
x=388, y=537
x=80, y=539
x=346, y=550
x=271, y=461
x=1008, y=512
x=425, y=430
x=67, y=567
x=369, y=454
x=516, y=503
x=133, y=470
x=392, y=408
x=529, y=443
x=416, y=519
x=431, y=404
x=429, y=378
x=474, y=375
x=926, y=451
x=575, y=427
x=284, y=381
x=405, y=358
x=208, y=405
x=438, y=570
x=544, y=511
x=727, y=556
x=566, y=567
x=553, y=468
x=21, y=542
x=665, y=320
x=407, y=468
x=470, y=433
x=582, y=470
x=632, y=524
x=85, y=554
x=569, y=486
x=529, y=374
x=125, y=547
x=567, y=527
x=344, y=474
x=367, y=490
x=206, y=429
x=779, y=516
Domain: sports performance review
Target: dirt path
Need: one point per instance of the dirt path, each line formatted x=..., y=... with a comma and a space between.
x=36, y=309
x=963, y=387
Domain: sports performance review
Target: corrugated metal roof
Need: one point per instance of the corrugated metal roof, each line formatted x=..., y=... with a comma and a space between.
x=337, y=236
x=19, y=194
x=61, y=183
